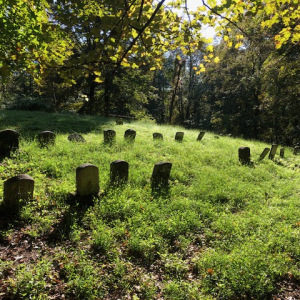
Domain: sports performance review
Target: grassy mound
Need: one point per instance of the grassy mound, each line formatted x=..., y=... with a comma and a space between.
x=222, y=231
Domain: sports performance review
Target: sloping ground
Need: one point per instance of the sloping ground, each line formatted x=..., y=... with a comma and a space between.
x=221, y=231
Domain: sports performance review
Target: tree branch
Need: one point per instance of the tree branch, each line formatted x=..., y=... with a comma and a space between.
x=225, y=18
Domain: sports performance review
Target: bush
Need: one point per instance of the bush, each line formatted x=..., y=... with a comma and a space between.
x=31, y=104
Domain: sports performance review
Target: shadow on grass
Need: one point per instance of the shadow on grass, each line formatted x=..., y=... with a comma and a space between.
x=74, y=214
x=29, y=123
x=160, y=192
x=9, y=218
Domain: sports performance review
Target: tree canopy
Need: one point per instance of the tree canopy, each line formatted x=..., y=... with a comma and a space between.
x=124, y=56
x=38, y=34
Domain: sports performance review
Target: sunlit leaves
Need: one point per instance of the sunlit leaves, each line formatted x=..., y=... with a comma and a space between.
x=216, y=60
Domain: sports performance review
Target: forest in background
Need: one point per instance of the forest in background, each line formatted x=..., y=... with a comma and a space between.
x=143, y=59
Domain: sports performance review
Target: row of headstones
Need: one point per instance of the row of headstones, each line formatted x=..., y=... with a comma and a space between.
x=21, y=187
x=9, y=139
x=244, y=153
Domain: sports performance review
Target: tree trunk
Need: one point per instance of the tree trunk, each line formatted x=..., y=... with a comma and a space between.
x=89, y=106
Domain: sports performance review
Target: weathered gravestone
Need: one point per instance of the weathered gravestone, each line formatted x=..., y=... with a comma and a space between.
x=179, y=136
x=201, y=135
x=75, y=137
x=17, y=188
x=282, y=152
x=273, y=151
x=119, y=172
x=87, y=180
x=130, y=135
x=264, y=153
x=109, y=136
x=244, y=155
x=119, y=121
x=9, y=141
x=157, y=136
x=160, y=175
x=46, y=138
x=296, y=150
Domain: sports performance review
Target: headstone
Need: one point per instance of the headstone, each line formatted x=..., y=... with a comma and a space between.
x=119, y=172
x=109, y=136
x=264, y=153
x=9, y=141
x=157, y=136
x=129, y=135
x=296, y=150
x=161, y=174
x=244, y=155
x=201, y=135
x=179, y=136
x=46, y=138
x=119, y=121
x=17, y=188
x=282, y=152
x=75, y=137
x=87, y=180
x=273, y=151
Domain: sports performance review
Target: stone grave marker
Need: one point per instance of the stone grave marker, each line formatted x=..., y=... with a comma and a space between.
x=87, y=180
x=244, y=155
x=282, y=152
x=75, y=137
x=273, y=151
x=161, y=174
x=179, y=136
x=46, y=138
x=296, y=150
x=119, y=172
x=201, y=135
x=157, y=136
x=9, y=141
x=119, y=121
x=130, y=135
x=17, y=188
x=109, y=136
x=264, y=153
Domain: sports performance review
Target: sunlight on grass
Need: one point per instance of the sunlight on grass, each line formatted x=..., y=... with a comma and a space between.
x=223, y=230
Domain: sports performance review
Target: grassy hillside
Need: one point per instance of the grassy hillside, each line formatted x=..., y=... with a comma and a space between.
x=221, y=231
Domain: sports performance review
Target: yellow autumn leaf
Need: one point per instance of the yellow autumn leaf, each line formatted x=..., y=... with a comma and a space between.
x=238, y=45
x=210, y=48
x=125, y=64
x=98, y=80
x=216, y=59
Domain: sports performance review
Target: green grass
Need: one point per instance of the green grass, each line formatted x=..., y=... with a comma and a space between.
x=221, y=231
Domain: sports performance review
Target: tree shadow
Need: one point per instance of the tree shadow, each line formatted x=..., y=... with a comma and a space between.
x=28, y=123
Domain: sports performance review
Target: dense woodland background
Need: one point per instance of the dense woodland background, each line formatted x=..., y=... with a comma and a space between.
x=246, y=86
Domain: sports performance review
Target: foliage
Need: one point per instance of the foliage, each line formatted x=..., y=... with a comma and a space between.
x=142, y=58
